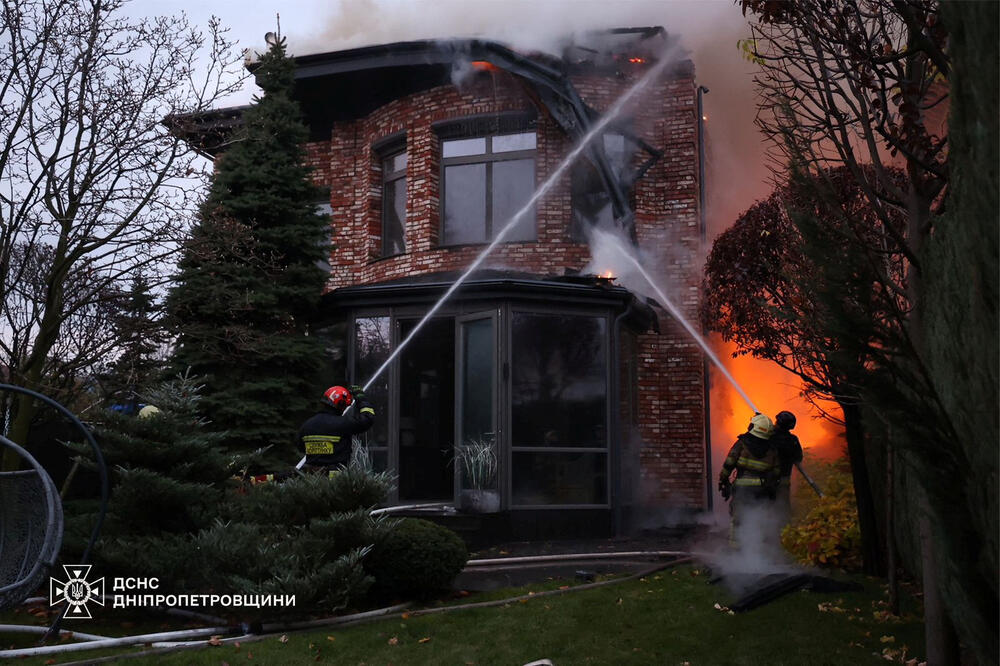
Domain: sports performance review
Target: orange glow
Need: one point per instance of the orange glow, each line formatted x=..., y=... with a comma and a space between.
x=484, y=66
x=607, y=275
x=772, y=389
x=637, y=61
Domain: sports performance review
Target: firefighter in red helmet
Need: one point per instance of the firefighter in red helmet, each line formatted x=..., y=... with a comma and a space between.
x=326, y=437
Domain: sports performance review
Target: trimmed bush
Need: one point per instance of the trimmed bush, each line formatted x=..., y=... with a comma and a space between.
x=416, y=560
x=828, y=534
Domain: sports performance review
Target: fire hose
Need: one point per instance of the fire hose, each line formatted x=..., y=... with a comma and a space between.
x=808, y=479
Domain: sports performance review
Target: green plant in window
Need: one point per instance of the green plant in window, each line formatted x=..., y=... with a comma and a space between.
x=478, y=460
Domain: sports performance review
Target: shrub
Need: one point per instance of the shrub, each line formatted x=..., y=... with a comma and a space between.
x=416, y=560
x=828, y=534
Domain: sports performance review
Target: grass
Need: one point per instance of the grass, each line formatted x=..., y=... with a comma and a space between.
x=666, y=618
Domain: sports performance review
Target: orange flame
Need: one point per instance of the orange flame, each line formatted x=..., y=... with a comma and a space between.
x=637, y=61
x=607, y=275
x=772, y=389
x=484, y=66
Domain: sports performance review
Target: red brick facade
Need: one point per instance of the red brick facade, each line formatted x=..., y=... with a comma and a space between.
x=669, y=366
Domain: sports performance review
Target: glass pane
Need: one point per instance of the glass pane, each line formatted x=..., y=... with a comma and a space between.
x=394, y=217
x=477, y=380
x=395, y=163
x=334, y=362
x=371, y=349
x=558, y=380
x=508, y=142
x=559, y=478
x=464, y=204
x=513, y=185
x=463, y=147
x=427, y=411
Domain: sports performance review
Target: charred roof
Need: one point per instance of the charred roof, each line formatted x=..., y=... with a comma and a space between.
x=349, y=84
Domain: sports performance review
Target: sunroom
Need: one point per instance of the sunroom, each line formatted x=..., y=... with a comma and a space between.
x=533, y=367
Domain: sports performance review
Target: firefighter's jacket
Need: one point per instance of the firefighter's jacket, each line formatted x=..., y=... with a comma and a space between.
x=757, y=462
x=325, y=437
x=789, y=452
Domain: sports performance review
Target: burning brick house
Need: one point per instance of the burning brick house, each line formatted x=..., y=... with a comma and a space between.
x=595, y=400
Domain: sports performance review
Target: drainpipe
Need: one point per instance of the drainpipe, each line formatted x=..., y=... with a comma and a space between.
x=706, y=382
x=616, y=420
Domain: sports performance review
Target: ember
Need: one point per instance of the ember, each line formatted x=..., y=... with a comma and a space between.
x=484, y=66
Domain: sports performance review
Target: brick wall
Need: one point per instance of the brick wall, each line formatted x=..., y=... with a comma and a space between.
x=670, y=396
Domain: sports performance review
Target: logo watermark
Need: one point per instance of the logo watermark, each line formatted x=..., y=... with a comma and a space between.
x=76, y=591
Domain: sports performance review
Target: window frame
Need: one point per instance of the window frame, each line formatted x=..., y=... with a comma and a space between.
x=510, y=449
x=384, y=151
x=484, y=127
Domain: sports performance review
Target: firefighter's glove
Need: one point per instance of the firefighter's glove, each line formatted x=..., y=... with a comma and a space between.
x=357, y=391
x=726, y=490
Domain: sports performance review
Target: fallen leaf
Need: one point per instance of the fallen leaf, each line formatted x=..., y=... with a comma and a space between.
x=284, y=638
x=424, y=639
x=888, y=639
x=620, y=601
x=215, y=640
x=249, y=654
x=393, y=641
x=564, y=587
x=331, y=638
x=405, y=616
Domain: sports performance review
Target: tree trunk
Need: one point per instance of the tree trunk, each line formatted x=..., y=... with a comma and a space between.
x=871, y=544
x=890, y=526
x=942, y=642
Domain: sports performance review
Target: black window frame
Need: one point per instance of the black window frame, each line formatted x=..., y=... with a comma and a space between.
x=385, y=151
x=484, y=127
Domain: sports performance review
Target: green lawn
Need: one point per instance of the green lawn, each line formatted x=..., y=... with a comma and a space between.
x=667, y=618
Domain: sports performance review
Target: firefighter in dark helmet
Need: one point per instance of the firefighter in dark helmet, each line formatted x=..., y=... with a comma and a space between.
x=789, y=452
x=326, y=437
x=750, y=476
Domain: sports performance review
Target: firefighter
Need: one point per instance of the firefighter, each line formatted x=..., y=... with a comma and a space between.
x=789, y=452
x=326, y=437
x=749, y=479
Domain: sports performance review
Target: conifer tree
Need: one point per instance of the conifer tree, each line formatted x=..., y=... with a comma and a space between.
x=178, y=513
x=140, y=330
x=167, y=478
x=249, y=278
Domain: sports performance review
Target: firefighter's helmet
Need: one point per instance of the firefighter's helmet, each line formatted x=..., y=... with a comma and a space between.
x=784, y=420
x=760, y=425
x=339, y=397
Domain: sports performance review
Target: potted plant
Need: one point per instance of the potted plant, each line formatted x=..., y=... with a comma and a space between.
x=478, y=461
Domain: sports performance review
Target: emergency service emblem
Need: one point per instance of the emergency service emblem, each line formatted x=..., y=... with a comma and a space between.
x=76, y=591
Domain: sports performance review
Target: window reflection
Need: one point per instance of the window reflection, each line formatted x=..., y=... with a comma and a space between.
x=487, y=180
x=558, y=380
x=559, y=478
x=394, y=204
x=371, y=349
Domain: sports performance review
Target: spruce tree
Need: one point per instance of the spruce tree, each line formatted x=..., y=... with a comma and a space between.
x=142, y=336
x=181, y=511
x=249, y=278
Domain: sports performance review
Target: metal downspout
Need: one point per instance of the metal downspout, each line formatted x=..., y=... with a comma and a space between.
x=616, y=372
x=706, y=378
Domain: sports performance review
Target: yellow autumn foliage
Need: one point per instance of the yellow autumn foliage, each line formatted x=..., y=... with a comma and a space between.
x=828, y=534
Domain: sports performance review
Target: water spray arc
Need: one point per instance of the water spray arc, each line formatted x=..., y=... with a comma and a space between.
x=676, y=313
x=595, y=132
